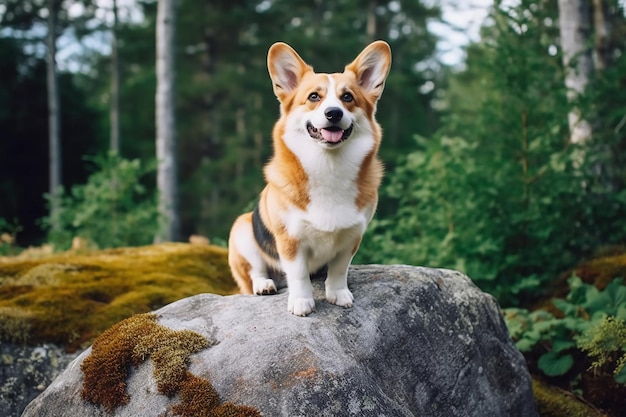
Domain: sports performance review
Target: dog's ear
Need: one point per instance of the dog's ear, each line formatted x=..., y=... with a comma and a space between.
x=371, y=67
x=286, y=68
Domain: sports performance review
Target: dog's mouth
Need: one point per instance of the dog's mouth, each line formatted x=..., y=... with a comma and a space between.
x=332, y=135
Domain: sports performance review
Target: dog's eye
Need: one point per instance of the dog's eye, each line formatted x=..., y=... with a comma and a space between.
x=314, y=97
x=347, y=97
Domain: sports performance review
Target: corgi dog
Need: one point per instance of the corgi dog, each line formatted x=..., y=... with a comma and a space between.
x=322, y=180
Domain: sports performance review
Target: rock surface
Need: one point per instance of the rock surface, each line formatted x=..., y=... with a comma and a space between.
x=25, y=371
x=418, y=342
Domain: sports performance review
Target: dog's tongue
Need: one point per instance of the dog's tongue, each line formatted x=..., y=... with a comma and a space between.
x=332, y=136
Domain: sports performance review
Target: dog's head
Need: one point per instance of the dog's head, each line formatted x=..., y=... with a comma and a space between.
x=329, y=107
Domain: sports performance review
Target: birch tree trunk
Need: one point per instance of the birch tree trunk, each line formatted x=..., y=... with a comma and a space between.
x=575, y=32
x=115, y=85
x=167, y=175
x=54, y=117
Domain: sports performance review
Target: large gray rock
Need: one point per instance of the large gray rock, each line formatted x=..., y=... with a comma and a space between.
x=418, y=342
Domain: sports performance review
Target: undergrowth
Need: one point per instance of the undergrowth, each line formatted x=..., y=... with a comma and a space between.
x=112, y=209
x=589, y=323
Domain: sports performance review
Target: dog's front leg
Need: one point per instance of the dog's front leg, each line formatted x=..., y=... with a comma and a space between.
x=301, y=300
x=337, y=291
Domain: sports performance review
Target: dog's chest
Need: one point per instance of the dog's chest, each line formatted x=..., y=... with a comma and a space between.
x=319, y=247
x=326, y=215
x=331, y=221
x=333, y=189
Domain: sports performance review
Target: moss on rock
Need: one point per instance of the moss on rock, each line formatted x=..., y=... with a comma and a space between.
x=71, y=298
x=553, y=402
x=137, y=339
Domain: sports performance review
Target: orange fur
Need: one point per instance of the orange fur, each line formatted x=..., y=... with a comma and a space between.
x=240, y=268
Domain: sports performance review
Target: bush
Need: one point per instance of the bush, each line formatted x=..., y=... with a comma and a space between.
x=460, y=207
x=499, y=192
x=592, y=321
x=112, y=209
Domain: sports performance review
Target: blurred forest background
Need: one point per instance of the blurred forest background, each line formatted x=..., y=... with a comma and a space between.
x=509, y=166
x=483, y=171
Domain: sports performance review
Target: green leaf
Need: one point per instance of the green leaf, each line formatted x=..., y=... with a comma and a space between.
x=553, y=364
x=525, y=345
x=621, y=312
x=561, y=345
x=567, y=308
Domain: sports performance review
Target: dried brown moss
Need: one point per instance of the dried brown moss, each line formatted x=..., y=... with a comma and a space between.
x=602, y=270
x=70, y=298
x=137, y=339
x=199, y=399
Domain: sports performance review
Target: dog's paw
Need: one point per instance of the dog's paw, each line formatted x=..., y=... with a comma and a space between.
x=262, y=286
x=341, y=297
x=301, y=306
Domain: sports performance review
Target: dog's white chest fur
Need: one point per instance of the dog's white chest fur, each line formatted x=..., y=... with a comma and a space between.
x=332, y=183
x=332, y=220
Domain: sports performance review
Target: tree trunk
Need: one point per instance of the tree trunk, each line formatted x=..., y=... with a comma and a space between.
x=115, y=85
x=167, y=175
x=602, y=34
x=54, y=118
x=370, y=27
x=574, y=25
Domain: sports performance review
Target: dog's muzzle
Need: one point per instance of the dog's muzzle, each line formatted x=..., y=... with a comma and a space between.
x=331, y=135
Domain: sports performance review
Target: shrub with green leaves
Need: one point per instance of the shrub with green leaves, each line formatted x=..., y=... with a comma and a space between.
x=499, y=192
x=112, y=209
x=458, y=206
x=593, y=321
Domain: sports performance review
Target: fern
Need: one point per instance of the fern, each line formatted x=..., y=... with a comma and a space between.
x=604, y=344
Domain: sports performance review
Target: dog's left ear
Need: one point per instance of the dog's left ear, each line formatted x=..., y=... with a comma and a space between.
x=371, y=67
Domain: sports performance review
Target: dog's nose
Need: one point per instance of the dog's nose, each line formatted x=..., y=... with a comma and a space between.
x=333, y=114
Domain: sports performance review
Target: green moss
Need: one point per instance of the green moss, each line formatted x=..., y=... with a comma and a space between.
x=137, y=339
x=16, y=322
x=553, y=402
x=71, y=298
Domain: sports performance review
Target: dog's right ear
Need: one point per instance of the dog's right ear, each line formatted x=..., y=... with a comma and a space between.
x=286, y=68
